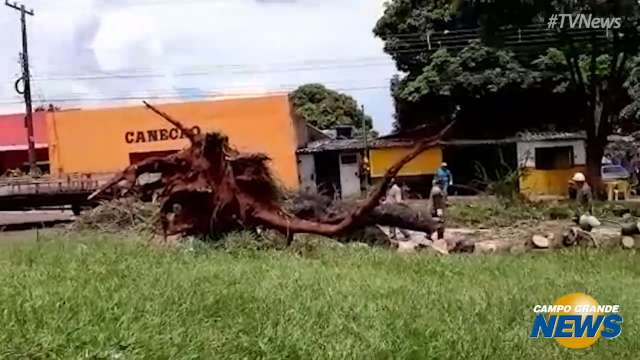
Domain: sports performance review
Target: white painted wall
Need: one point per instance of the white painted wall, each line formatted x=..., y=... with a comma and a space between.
x=350, y=176
x=307, y=172
x=527, y=151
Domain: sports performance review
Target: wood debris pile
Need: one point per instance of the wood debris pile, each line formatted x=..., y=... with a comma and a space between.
x=119, y=215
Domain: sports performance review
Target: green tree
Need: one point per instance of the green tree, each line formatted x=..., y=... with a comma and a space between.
x=325, y=108
x=591, y=75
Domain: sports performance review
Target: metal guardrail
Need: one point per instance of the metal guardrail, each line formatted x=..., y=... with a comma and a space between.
x=48, y=185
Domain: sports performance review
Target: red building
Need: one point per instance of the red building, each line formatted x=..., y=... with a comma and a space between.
x=13, y=141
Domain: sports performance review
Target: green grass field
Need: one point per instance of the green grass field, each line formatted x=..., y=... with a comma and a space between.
x=103, y=298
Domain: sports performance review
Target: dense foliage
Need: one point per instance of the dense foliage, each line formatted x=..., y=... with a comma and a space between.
x=325, y=108
x=492, y=62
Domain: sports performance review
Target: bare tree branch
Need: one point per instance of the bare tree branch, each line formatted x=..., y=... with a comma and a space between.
x=187, y=132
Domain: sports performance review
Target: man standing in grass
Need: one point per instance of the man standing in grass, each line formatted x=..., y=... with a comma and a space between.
x=443, y=178
x=437, y=205
x=394, y=196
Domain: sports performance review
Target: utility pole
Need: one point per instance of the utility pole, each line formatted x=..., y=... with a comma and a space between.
x=26, y=82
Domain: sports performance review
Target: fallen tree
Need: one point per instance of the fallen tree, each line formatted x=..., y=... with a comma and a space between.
x=211, y=188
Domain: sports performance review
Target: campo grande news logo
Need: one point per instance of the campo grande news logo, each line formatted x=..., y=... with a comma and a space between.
x=576, y=321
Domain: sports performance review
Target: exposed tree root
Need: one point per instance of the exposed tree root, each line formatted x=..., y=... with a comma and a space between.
x=210, y=188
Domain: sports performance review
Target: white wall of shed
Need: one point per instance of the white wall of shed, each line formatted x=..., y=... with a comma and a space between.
x=307, y=172
x=527, y=151
x=350, y=176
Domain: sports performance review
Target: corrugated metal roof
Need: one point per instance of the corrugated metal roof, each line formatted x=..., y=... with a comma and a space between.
x=332, y=145
x=357, y=144
x=353, y=144
x=551, y=135
x=467, y=142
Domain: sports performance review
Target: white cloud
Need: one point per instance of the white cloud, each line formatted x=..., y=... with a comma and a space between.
x=269, y=45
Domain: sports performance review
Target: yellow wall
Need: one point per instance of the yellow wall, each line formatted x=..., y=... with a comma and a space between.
x=425, y=164
x=94, y=141
x=547, y=182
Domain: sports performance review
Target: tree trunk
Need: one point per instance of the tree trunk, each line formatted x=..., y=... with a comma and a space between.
x=404, y=217
x=397, y=215
x=597, y=133
x=595, y=152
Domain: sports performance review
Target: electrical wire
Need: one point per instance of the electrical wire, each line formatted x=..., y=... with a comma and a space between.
x=408, y=46
x=130, y=98
x=165, y=94
x=209, y=72
x=325, y=61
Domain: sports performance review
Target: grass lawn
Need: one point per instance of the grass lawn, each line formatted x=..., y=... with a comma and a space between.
x=97, y=297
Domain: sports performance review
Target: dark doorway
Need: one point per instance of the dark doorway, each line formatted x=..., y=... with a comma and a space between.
x=135, y=158
x=328, y=173
x=19, y=159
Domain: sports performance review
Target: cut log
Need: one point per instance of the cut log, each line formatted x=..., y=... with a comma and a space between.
x=407, y=246
x=462, y=246
x=491, y=247
x=628, y=242
x=540, y=242
x=630, y=229
x=440, y=246
x=403, y=217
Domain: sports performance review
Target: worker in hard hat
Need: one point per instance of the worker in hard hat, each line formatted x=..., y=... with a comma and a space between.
x=443, y=178
x=584, y=195
x=583, y=202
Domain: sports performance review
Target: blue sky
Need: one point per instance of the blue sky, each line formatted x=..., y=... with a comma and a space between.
x=193, y=48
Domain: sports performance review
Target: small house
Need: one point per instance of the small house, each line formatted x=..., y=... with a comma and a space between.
x=548, y=161
x=333, y=165
x=336, y=166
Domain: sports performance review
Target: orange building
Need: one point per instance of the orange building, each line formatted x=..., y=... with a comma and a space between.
x=103, y=141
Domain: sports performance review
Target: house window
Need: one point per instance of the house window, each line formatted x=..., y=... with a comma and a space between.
x=550, y=158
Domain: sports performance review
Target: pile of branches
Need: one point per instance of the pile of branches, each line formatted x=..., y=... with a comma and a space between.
x=126, y=214
x=210, y=188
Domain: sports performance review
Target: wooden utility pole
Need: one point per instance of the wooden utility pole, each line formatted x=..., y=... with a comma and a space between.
x=26, y=89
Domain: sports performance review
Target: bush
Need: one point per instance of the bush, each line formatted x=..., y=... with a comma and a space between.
x=504, y=184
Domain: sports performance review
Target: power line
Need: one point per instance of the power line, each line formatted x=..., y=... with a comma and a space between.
x=412, y=46
x=538, y=30
x=131, y=98
x=166, y=94
x=209, y=72
x=325, y=61
x=511, y=39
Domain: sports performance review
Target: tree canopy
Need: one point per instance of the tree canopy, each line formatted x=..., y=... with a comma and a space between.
x=476, y=59
x=325, y=108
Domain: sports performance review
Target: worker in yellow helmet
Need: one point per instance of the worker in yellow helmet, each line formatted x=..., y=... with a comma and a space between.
x=583, y=202
x=584, y=195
